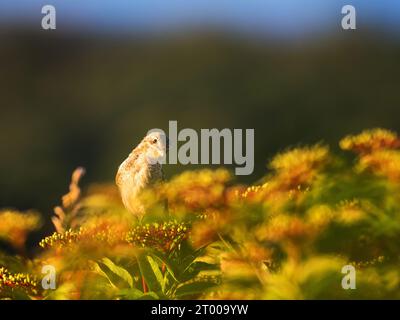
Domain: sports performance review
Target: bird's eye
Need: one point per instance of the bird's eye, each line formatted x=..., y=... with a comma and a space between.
x=154, y=140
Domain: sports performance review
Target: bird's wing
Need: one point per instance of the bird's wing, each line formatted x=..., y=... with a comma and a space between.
x=118, y=178
x=129, y=164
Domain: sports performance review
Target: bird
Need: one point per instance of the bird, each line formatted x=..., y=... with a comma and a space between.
x=140, y=170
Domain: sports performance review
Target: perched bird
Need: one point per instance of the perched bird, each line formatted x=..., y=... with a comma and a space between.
x=141, y=169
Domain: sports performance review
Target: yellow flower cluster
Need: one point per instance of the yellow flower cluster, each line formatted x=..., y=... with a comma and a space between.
x=17, y=280
x=15, y=226
x=376, y=149
x=349, y=212
x=165, y=236
x=371, y=140
x=299, y=166
x=284, y=227
x=60, y=240
x=369, y=263
x=384, y=163
x=345, y=213
x=293, y=227
x=294, y=172
x=105, y=235
x=109, y=235
x=234, y=265
x=197, y=189
x=208, y=225
x=253, y=190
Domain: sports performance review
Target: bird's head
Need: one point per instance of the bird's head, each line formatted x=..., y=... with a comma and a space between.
x=156, y=146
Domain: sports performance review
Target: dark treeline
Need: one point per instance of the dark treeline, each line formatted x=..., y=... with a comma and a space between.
x=69, y=100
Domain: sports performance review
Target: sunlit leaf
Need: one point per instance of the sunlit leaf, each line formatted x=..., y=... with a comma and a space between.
x=121, y=272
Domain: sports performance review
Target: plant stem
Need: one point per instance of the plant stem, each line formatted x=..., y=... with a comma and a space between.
x=145, y=290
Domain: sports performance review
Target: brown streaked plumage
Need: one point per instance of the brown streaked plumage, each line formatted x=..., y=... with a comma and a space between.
x=141, y=169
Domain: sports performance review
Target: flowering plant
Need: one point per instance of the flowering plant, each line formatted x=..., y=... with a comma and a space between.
x=287, y=237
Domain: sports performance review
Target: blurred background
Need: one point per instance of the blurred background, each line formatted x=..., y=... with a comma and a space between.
x=86, y=93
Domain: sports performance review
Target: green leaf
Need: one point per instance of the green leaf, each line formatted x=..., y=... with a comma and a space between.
x=151, y=272
x=194, y=288
x=157, y=271
x=203, y=266
x=195, y=268
x=149, y=296
x=131, y=294
x=119, y=271
x=98, y=270
x=163, y=260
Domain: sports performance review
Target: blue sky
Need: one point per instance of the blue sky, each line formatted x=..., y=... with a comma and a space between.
x=259, y=16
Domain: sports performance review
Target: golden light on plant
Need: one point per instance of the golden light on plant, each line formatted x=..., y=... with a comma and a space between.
x=14, y=281
x=371, y=140
x=286, y=237
x=15, y=226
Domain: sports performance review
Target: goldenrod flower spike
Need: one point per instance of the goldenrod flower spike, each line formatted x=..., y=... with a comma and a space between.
x=17, y=280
